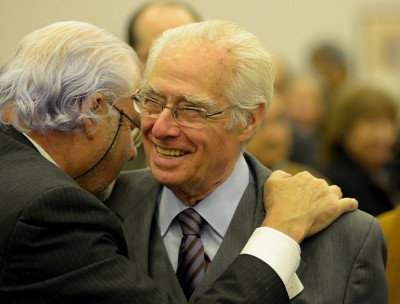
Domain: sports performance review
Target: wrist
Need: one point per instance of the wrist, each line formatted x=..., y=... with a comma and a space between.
x=294, y=231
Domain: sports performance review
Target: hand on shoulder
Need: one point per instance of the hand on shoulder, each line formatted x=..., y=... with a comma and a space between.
x=302, y=205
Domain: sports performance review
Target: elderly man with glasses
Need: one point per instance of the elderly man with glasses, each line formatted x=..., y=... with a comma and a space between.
x=205, y=90
x=68, y=126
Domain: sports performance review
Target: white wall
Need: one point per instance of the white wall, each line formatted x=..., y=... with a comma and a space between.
x=289, y=27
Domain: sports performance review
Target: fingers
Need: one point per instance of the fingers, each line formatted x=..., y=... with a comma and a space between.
x=336, y=190
x=348, y=204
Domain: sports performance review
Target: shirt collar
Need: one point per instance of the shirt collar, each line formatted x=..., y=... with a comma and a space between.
x=41, y=150
x=217, y=208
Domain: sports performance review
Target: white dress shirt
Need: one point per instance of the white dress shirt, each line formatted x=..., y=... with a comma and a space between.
x=41, y=150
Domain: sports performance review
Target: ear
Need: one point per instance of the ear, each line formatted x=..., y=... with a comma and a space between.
x=252, y=124
x=96, y=104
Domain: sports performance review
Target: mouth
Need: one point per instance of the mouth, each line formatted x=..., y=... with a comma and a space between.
x=170, y=152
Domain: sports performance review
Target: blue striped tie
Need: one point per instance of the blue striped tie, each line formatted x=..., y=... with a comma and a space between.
x=193, y=262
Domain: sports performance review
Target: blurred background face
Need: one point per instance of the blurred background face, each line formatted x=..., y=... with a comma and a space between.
x=370, y=141
x=304, y=104
x=271, y=144
x=155, y=20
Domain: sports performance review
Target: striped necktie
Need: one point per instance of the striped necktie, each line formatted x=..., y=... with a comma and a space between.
x=193, y=261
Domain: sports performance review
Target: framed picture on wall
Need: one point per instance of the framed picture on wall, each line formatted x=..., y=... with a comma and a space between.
x=382, y=42
x=378, y=51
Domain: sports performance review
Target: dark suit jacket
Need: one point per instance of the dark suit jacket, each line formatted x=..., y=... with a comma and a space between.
x=59, y=244
x=343, y=264
x=355, y=182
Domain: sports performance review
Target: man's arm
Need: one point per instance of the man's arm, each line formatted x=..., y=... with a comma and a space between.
x=247, y=280
x=69, y=249
x=66, y=248
x=298, y=207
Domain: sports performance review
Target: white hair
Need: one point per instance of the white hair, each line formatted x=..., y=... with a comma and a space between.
x=56, y=68
x=253, y=77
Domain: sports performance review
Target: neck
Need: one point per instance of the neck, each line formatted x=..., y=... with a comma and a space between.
x=60, y=147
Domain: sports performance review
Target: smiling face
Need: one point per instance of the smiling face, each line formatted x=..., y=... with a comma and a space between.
x=191, y=161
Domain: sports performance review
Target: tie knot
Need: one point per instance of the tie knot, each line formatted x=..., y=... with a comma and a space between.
x=190, y=222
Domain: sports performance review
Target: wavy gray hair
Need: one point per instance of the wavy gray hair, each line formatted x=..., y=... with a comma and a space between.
x=252, y=81
x=56, y=68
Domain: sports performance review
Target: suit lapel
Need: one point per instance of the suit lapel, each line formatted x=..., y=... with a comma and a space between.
x=134, y=198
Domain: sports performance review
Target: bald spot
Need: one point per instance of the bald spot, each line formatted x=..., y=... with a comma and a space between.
x=154, y=21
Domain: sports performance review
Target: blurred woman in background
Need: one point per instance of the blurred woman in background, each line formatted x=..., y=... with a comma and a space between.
x=357, y=148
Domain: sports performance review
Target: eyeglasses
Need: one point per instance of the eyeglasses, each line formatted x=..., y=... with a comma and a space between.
x=187, y=116
x=136, y=134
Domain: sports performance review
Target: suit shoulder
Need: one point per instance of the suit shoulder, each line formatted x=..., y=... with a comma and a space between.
x=357, y=220
x=356, y=226
x=132, y=188
x=135, y=176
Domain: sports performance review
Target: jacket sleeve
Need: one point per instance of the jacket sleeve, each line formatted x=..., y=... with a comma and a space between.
x=67, y=247
x=247, y=280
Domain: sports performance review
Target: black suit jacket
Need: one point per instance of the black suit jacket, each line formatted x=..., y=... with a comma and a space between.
x=59, y=244
x=355, y=182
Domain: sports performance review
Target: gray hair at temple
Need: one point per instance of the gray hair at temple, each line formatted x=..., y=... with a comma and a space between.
x=56, y=68
x=252, y=82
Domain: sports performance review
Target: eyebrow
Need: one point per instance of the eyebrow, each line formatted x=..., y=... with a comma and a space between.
x=193, y=100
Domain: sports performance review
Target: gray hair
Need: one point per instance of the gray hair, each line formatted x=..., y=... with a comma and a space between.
x=252, y=82
x=56, y=68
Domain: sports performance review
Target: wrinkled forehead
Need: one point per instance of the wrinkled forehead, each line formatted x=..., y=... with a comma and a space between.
x=204, y=65
x=210, y=52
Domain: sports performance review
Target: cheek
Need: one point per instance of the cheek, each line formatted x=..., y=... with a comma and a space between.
x=146, y=125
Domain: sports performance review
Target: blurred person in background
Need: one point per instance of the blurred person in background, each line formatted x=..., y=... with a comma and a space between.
x=283, y=73
x=146, y=24
x=153, y=18
x=306, y=110
x=331, y=66
x=357, y=148
x=272, y=143
x=390, y=222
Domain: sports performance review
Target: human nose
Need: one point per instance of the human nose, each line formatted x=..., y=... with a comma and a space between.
x=165, y=124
